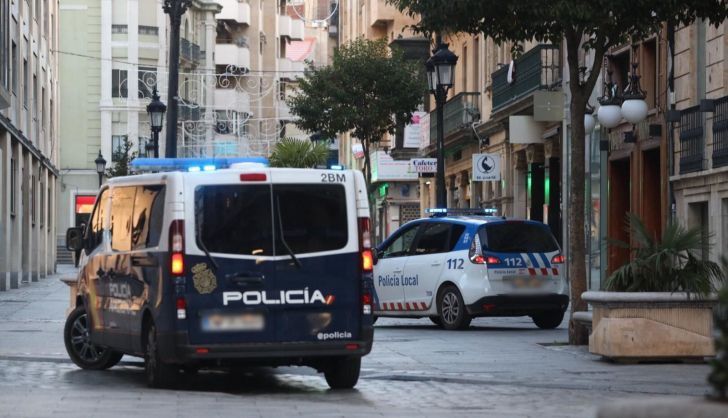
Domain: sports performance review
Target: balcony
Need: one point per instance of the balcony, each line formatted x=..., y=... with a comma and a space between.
x=232, y=100
x=290, y=70
x=381, y=13
x=237, y=55
x=284, y=26
x=537, y=69
x=459, y=112
x=720, y=133
x=234, y=10
x=692, y=138
x=189, y=51
x=297, y=29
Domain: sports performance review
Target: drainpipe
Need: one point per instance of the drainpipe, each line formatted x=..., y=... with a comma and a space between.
x=671, y=125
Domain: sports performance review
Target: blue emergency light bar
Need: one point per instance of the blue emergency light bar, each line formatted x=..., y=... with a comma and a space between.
x=191, y=164
x=438, y=212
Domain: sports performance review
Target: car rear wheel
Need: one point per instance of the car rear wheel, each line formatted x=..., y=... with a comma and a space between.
x=343, y=373
x=548, y=320
x=158, y=373
x=451, y=309
x=76, y=336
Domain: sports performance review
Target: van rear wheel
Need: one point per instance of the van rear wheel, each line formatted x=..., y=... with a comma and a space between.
x=76, y=336
x=158, y=373
x=343, y=373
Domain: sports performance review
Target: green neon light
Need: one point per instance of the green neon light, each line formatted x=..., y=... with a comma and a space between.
x=546, y=189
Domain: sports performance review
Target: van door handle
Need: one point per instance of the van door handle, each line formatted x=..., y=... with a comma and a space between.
x=245, y=278
x=144, y=261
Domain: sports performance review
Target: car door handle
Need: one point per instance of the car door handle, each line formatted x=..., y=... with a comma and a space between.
x=437, y=263
x=144, y=261
x=397, y=271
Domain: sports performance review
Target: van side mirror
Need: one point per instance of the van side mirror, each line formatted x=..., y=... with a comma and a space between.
x=74, y=239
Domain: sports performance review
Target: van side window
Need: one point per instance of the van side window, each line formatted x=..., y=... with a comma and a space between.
x=146, y=224
x=95, y=229
x=122, y=206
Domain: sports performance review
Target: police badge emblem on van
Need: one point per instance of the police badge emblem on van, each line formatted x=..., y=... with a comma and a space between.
x=205, y=281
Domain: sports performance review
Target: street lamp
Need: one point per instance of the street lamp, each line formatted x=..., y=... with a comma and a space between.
x=156, y=111
x=439, y=79
x=175, y=9
x=100, y=167
x=610, y=112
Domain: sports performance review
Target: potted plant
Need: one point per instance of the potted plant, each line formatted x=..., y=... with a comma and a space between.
x=659, y=304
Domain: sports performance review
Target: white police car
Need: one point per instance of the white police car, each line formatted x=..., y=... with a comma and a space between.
x=455, y=266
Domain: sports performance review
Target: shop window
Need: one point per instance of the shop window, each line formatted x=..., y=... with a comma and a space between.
x=13, y=185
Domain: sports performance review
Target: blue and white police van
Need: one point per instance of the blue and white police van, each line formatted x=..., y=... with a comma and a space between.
x=461, y=264
x=200, y=266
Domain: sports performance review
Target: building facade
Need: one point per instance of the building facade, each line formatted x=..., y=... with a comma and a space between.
x=699, y=169
x=114, y=54
x=28, y=140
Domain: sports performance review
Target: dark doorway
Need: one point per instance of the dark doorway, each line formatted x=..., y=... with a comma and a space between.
x=618, y=204
x=651, y=202
x=535, y=188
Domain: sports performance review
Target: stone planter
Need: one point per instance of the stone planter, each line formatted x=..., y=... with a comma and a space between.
x=633, y=326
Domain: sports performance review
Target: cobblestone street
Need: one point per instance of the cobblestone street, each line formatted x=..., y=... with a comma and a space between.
x=500, y=367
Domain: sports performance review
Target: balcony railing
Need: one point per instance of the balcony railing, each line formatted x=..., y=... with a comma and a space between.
x=189, y=51
x=459, y=112
x=720, y=133
x=692, y=138
x=538, y=68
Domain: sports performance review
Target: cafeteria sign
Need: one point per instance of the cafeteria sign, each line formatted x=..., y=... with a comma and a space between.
x=486, y=167
x=423, y=165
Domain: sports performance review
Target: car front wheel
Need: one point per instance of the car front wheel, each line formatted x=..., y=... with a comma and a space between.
x=77, y=338
x=451, y=309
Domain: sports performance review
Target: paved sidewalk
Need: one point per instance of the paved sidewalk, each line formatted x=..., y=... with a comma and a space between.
x=500, y=367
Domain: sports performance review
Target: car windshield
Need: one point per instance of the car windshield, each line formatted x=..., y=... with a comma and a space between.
x=240, y=219
x=517, y=237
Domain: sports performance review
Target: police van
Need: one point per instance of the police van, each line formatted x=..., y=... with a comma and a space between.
x=199, y=267
x=461, y=264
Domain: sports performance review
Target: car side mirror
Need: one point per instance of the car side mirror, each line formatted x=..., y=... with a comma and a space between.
x=74, y=239
x=376, y=255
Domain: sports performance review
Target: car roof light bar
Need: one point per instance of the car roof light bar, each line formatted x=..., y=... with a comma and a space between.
x=139, y=165
x=438, y=212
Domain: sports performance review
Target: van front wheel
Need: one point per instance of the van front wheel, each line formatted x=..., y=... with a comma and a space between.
x=76, y=336
x=343, y=373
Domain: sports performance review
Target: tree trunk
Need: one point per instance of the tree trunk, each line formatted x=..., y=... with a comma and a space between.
x=577, y=227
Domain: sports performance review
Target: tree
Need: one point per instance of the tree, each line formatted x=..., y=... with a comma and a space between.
x=595, y=25
x=291, y=152
x=122, y=158
x=366, y=90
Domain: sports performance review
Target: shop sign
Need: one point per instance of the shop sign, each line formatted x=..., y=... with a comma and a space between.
x=423, y=165
x=486, y=167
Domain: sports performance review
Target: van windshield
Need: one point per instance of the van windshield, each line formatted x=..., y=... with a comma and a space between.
x=239, y=219
x=517, y=237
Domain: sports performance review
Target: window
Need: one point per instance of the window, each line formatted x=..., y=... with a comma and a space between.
x=117, y=147
x=401, y=245
x=32, y=200
x=146, y=226
x=310, y=218
x=148, y=30
x=119, y=86
x=119, y=29
x=13, y=184
x=41, y=201
x=4, y=36
x=438, y=238
x=26, y=83
x=517, y=237
x=14, y=68
x=241, y=220
x=146, y=81
x=122, y=205
x=234, y=219
x=94, y=231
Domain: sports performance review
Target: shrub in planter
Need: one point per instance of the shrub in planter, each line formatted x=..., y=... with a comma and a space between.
x=659, y=304
x=670, y=264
